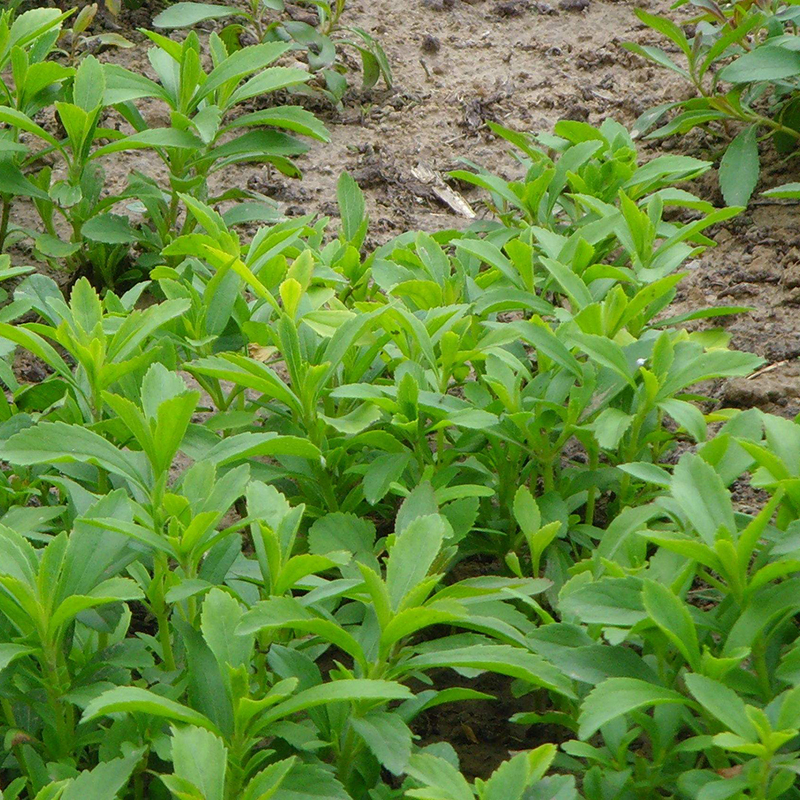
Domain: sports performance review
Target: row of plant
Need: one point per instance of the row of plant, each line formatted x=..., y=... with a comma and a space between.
x=85, y=224
x=234, y=511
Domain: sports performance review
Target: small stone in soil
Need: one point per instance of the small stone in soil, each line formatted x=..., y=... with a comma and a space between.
x=511, y=8
x=573, y=5
x=430, y=44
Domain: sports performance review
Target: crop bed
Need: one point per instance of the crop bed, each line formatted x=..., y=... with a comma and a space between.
x=392, y=409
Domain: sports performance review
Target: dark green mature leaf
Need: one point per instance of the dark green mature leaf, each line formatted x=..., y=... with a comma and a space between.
x=739, y=168
x=57, y=442
x=608, y=601
x=200, y=757
x=350, y=690
x=702, y=496
x=724, y=704
x=351, y=205
x=104, y=781
x=503, y=659
x=765, y=63
x=412, y=555
x=133, y=700
x=382, y=472
x=669, y=612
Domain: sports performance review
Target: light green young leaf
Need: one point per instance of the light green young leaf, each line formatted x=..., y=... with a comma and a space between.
x=200, y=758
x=412, y=555
x=618, y=696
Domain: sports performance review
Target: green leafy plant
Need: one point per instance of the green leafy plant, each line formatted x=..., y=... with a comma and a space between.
x=318, y=42
x=740, y=62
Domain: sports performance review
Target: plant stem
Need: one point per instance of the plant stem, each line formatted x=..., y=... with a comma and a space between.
x=5, y=218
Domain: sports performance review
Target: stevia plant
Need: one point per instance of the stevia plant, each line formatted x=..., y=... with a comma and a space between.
x=200, y=105
x=740, y=62
x=74, y=202
x=714, y=648
x=266, y=21
x=99, y=238
x=25, y=43
x=287, y=645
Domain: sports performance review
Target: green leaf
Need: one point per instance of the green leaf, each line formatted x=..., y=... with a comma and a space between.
x=739, y=168
x=571, y=284
x=9, y=653
x=618, y=696
x=701, y=495
x=443, y=780
x=668, y=28
x=185, y=15
x=57, y=442
x=133, y=700
x=787, y=191
x=239, y=64
x=16, y=119
x=688, y=416
x=606, y=352
x=764, y=63
x=286, y=612
x=109, y=229
x=89, y=84
x=387, y=737
x=607, y=601
x=106, y=780
x=351, y=206
x=412, y=555
x=292, y=118
x=502, y=659
x=669, y=612
x=220, y=616
x=339, y=532
x=724, y=704
x=200, y=758
x=610, y=426
x=349, y=690
x=492, y=255
x=526, y=511
x=539, y=334
x=513, y=777
x=153, y=137
x=382, y=473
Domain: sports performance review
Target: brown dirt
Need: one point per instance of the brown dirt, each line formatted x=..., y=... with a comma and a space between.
x=479, y=730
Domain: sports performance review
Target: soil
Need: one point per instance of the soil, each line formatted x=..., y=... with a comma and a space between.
x=526, y=64
x=480, y=730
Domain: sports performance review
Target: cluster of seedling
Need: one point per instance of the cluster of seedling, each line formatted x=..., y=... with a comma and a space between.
x=231, y=514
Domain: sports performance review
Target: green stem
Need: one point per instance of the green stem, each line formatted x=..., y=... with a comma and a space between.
x=630, y=455
x=762, y=671
x=138, y=786
x=65, y=733
x=161, y=611
x=591, y=499
x=5, y=218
